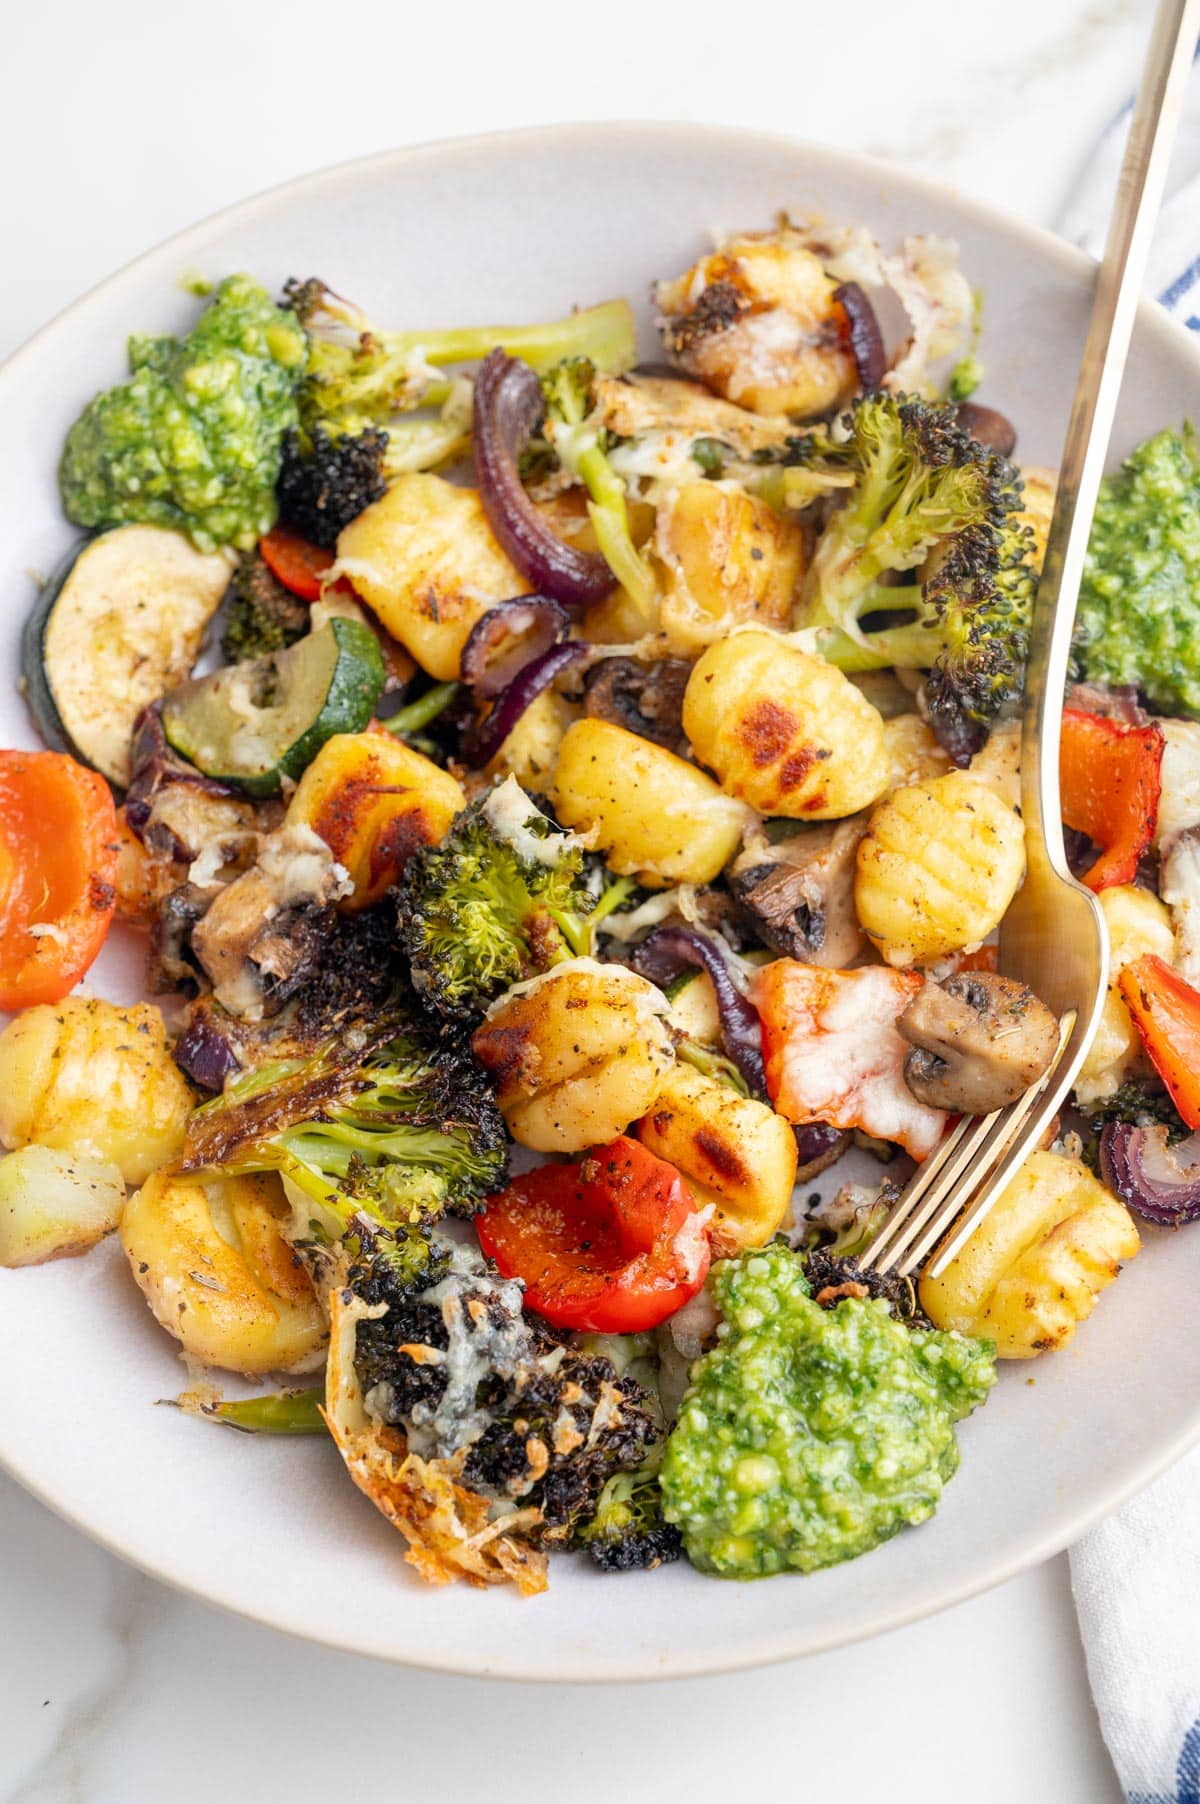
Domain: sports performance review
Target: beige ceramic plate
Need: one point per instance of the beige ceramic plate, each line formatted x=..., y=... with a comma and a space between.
x=512, y=228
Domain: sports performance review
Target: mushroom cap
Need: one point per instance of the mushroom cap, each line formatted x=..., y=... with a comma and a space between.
x=979, y=1041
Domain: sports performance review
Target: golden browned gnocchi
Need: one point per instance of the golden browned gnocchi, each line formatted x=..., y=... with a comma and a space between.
x=209, y=1258
x=424, y=558
x=727, y=558
x=734, y=1151
x=1035, y=1266
x=55, y=1204
x=653, y=815
x=759, y=323
x=784, y=731
x=576, y=1054
x=913, y=752
x=1138, y=923
x=374, y=801
x=938, y=866
x=85, y=1076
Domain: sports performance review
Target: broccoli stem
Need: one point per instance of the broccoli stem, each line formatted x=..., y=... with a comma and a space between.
x=911, y=647
x=610, y=522
x=712, y=1064
x=415, y=715
x=279, y=1412
x=579, y=930
x=606, y=334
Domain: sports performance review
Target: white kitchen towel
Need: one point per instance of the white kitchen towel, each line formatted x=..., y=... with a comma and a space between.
x=1136, y=1578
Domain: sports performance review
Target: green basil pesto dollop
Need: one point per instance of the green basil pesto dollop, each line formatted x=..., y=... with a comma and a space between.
x=808, y=1436
x=193, y=439
x=1139, y=605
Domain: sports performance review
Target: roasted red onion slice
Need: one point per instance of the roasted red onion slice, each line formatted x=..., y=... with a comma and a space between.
x=508, y=637
x=508, y=405
x=866, y=340
x=204, y=1053
x=817, y=1146
x=481, y=743
x=1159, y=1181
x=669, y=950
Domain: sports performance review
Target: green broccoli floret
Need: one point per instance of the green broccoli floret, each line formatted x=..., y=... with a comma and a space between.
x=580, y=448
x=327, y=479
x=628, y=1532
x=927, y=498
x=1139, y=603
x=261, y=615
x=398, y=1131
x=193, y=439
x=481, y=910
x=809, y=1435
x=359, y=374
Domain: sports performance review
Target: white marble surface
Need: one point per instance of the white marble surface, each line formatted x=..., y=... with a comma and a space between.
x=124, y=122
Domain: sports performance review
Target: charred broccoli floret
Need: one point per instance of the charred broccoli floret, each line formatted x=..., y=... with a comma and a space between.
x=261, y=615
x=395, y=1124
x=839, y=1232
x=929, y=499
x=327, y=479
x=627, y=1531
x=500, y=898
x=452, y=1362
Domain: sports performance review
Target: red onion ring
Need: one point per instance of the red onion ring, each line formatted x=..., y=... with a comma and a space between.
x=1160, y=1182
x=866, y=340
x=670, y=949
x=508, y=637
x=480, y=743
x=508, y=405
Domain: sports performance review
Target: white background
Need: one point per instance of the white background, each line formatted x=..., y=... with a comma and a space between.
x=123, y=121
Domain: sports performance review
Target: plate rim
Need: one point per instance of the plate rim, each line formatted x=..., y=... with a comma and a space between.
x=752, y=1650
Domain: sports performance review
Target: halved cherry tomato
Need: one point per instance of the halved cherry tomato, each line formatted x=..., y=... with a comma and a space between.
x=1166, y=1013
x=58, y=867
x=299, y=565
x=613, y=1243
x=1111, y=781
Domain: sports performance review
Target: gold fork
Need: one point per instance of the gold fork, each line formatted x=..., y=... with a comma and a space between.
x=1054, y=936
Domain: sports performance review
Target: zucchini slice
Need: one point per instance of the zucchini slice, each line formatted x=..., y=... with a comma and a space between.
x=255, y=724
x=120, y=622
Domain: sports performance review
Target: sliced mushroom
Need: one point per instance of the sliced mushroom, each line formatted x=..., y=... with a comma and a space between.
x=263, y=934
x=979, y=1040
x=989, y=426
x=644, y=698
x=799, y=893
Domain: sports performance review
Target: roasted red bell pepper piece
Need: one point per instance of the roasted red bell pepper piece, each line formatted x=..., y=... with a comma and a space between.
x=1111, y=780
x=1166, y=1013
x=58, y=867
x=299, y=565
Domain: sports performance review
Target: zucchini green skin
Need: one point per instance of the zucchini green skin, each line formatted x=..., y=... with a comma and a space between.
x=39, y=696
x=345, y=706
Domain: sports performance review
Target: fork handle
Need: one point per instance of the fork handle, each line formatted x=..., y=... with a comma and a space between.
x=1114, y=308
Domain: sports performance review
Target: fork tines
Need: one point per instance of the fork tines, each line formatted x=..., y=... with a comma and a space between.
x=966, y=1172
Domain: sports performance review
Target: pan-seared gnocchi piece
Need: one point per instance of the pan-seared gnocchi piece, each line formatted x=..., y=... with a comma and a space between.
x=87, y=1077
x=937, y=867
x=758, y=322
x=576, y=1054
x=728, y=558
x=653, y=815
x=424, y=558
x=209, y=1258
x=784, y=731
x=55, y=1204
x=374, y=801
x=1037, y=508
x=1137, y=923
x=913, y=752
x=1035, y=1266
x=734, y=1151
